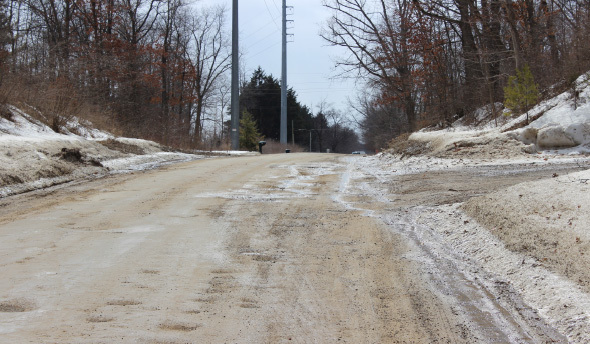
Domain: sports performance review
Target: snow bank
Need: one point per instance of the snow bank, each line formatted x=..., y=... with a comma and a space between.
x=533, y=237
x=229, y=153
x=148, y=147
x=560, y=124
x=22, y=127
x=547, y=221
x=85, y=129
x=33, y=156
x=536, y=235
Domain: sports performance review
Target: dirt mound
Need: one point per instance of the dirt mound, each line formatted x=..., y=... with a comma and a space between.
x=70, y=155
x=122, y=147
x=405, y=147
x=459, y=145
x=547, y=220
x=496, y=147
x=28, y=164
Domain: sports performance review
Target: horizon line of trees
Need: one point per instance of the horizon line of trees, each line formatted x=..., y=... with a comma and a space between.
x=155, y=69
x=260, y=97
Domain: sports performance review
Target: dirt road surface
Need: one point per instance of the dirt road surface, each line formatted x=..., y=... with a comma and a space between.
x=293, y=248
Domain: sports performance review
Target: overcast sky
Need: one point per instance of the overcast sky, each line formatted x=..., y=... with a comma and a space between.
x=310, y=62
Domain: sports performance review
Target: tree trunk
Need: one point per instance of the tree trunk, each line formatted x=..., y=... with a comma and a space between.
x=470, y=55
x=514, y=36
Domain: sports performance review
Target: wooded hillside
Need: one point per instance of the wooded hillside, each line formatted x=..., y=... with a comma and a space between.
x=150, y=67
x=430, y=62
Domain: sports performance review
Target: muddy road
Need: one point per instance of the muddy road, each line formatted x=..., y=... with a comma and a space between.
x=297, y=248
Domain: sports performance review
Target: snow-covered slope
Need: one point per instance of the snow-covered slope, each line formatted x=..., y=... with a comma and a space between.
x=33, y=156
x=559, y=125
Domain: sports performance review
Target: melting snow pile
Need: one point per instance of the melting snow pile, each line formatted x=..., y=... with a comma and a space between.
x=558, y=125
x=534, y=235
x=33, y=156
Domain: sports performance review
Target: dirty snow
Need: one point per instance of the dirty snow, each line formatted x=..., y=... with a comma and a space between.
x=453, y=235
x=33, y=156
x=560, y=125
x=535, y=236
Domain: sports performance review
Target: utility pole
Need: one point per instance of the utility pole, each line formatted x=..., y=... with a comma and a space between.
x=309, y=137
x=235, y=75
x=284, y=78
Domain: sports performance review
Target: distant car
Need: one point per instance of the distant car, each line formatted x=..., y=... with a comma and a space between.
x=359, y=152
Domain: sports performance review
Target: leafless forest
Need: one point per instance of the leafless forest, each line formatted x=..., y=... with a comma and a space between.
x=158, y=69
x=430, y=62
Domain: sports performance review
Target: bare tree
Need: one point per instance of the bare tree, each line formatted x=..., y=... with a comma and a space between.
x=378, y=36
x=379, y=122
x=56, y=19
x=210, y=57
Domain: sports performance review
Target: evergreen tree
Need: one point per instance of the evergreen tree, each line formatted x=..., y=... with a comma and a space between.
x=261, y=97
x=249, y=135
x=521, y=93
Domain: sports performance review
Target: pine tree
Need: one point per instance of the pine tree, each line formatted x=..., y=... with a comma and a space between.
x=249, y=135
x=261, y=96
x=521, y=93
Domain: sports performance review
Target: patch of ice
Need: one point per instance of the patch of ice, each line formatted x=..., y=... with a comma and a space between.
x=148, y=161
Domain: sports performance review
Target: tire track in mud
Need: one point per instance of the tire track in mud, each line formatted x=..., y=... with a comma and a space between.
x=491, y=310
x=271, y=249
x=317, y=271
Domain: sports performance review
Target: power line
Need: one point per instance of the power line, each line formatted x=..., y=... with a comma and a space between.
x=248, y=57
x=271, y=16
x=258, y=30
x=262, y=39
x=276, y=6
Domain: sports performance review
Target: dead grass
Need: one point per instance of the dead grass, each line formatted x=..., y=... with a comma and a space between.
x=5, y=112
x=122, y=147
x=54, y=103
x=16, y=306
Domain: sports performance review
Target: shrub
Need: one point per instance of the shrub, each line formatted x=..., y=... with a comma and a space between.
x=521, y=93
x=249, y=134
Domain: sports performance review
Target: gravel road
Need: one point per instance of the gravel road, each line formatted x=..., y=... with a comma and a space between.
x=292, y=248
